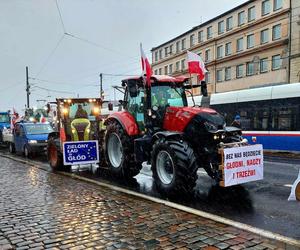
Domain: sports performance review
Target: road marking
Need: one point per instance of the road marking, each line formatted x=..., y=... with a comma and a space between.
x=199, y=213
x=288, y=185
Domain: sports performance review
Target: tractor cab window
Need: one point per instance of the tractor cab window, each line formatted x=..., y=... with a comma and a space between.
x=163, y=96
x=135, y=107
x=4, y=118
x=85, y=110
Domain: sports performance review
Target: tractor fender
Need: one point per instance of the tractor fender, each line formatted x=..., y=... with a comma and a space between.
x=126, y=120
x=166, y=135
x=53, y=134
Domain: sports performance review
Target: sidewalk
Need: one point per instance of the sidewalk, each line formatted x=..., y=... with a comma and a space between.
x=42, y=210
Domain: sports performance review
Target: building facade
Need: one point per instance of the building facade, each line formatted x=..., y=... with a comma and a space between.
x=254, y=44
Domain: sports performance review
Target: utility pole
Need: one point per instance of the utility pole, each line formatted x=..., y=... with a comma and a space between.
x=101, y=89
x=27, y=87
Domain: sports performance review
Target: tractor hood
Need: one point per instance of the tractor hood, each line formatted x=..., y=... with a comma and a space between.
x=177, y=118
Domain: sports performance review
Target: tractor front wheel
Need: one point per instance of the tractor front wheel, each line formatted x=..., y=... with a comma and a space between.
x=119, y=152
x=174, y=167
x=55, y=157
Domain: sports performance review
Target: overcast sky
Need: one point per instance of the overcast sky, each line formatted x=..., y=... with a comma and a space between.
x=32, y=34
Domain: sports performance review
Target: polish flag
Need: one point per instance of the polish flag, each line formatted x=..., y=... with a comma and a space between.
x=146, y=67
x=196, y=65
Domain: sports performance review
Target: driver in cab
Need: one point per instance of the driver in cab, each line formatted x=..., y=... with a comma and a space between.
x=158, y=98
x=81, y=113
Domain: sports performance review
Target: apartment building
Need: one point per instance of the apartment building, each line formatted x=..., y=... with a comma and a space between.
x=254, y=44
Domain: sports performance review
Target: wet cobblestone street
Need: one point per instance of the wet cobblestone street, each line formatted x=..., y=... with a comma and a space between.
x=43, y=210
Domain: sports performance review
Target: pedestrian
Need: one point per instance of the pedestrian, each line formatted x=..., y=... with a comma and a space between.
x=237, y=121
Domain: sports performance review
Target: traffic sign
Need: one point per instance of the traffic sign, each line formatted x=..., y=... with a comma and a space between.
x=80, y=152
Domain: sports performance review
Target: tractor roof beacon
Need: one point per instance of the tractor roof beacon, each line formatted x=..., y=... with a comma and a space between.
x=157, y=126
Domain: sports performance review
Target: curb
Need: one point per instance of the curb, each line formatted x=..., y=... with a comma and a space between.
x=216, y=218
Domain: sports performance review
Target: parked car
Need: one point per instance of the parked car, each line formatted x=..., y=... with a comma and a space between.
x=30, y=138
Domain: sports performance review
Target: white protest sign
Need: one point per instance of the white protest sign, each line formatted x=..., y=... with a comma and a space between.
x=295, y=191
x=243, y=164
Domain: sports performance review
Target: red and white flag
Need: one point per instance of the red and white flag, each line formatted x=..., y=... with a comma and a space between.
x=196, y=65
x=146, y=67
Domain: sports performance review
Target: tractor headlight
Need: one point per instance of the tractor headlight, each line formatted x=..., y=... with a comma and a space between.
x=96, y=110
x=216, y=137
x=65, y=111
x=88, y=130
x=73, y=130
x=32, y=141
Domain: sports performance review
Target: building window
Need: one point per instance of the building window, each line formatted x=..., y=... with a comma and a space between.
x=219, y=75
x=207, y=55
x=155, y=72
x=229, y=23
x=183, y=44
x=250, y=41
x=239, y=71
x=166, y=51
x=159, y=71
x=277, y=4
x=241, y=18
x=183, y=64
x=251, y=14
x=156, y=56
x=209, y=32
x=192, y=40
x=207, y=77
x=227, y=73
x=170, y=69
x=220, y=51
x=160, y=54
x=276, y=62
x=250, y=69
x=177, y=66
x=177, y=46
x=263, y=65
x=200, y=36
x=265, y=7
x=239, y=44
x=166, y=69
x=221, y=27
x=264, y=36
x=276, y=32
x=228, y=49
x=171, y=49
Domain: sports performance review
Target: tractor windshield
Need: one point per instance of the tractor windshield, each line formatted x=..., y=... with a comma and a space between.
x=87, y=110
x=168, y=96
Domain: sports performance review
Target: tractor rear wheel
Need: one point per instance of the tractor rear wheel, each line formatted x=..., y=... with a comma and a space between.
x=55, y=157
x=119, y=152
x=174, y=167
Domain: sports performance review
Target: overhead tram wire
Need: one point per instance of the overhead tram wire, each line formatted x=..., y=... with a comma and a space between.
x=60, y=16
x=55, y=91
x=50, y=55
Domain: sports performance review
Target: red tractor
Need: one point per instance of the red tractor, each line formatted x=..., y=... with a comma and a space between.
x=157, y=126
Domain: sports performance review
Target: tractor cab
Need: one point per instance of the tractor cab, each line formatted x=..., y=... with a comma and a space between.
x=148, y=105
x=78, y=118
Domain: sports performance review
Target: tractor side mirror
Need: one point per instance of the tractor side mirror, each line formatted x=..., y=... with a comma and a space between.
x=204, y=88
x=110, y=106
x=132, y=88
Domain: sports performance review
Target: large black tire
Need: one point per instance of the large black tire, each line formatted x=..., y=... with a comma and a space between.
x=179, y=171
x=120, y=162
x=55, y=157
